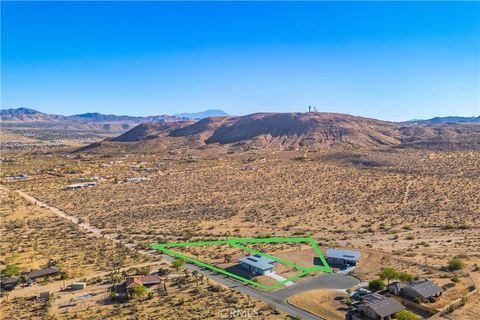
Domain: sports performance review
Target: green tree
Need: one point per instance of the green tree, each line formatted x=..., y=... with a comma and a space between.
x=406, y=315
x=455, y=264
x=388, y=274
x=11, y=270
x=405, y=277
x=178, y=263
x=376, y=285
x=138, y=291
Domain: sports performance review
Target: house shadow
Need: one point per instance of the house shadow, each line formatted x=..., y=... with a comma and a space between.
x=239, y=271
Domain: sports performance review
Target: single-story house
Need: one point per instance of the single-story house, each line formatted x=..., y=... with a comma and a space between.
x=77, y=286
x=258, y=264
x=148, y=280
x=81, y=185
x=18, y=177
x=395, y=287
x=340, y=257
x=9, y=283
x=137, y=179
x=42, y=273
x=377, y=307
x=422, y=290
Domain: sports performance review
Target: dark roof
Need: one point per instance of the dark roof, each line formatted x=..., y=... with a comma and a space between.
x=382, y=305
x=42, y=272
x=343, y=254
x=425, y=288
x=11, y=280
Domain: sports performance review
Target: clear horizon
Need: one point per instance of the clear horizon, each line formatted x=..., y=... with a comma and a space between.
x=390, y=61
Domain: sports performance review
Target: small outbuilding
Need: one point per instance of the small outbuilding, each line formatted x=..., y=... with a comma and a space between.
x=9, y=283
x=258, y=264
x=340, y=257
x=395, y=287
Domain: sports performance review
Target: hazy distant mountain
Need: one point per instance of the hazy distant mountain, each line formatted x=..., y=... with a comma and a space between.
x=203, y=114
x=30, y=115
x=452, y=119
x=18, y=111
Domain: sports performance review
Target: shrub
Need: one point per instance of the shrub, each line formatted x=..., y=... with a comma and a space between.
x=455, y=264
x=376, y=285
x=406, y=315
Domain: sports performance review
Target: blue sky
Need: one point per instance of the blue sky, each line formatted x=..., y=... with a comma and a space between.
x=393, y=61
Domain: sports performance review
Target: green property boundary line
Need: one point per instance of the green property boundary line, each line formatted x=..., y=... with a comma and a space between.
x=238, y=243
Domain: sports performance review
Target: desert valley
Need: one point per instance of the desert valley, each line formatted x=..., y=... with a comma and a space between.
x=87, y=197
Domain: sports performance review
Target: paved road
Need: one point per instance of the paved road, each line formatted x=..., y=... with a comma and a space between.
x=276, y=298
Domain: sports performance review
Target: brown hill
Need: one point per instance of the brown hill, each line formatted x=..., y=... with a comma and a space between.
x=312, y=131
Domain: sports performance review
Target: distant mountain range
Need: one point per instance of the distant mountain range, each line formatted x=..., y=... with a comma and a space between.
x=30, y=115
x=204, y=114
x=451, y=119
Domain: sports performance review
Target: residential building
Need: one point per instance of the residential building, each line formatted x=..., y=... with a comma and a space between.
x=258, y=264
x=42, y=273
x=377, y=307
x=148, y=280
x=342, y=258
x=422, y=290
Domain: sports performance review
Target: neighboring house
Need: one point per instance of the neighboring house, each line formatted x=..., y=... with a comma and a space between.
x=421, y=290
x=77, y=286
x=395, y=287
x=377, y=307
x=42, y=273
x=83, y=179
x=147, y=281
x=18, y=177
x=339, y=257
x=81, y=185
x=257, y=264
x=139, y=179
x=9, y=283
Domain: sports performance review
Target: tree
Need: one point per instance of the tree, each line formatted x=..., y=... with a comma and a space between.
x=138, y=291
x=376, y=285
x=195, y=274
x=228, y=257
x=388, y=274
x=406, y=315
x=455, y=264
x=178, y=263
x=11, y=270
x=405, y=277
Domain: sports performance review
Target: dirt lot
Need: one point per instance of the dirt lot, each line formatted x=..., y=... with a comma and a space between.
x=327, y=304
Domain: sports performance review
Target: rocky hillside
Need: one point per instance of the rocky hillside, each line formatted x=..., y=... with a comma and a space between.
x=297, y=130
